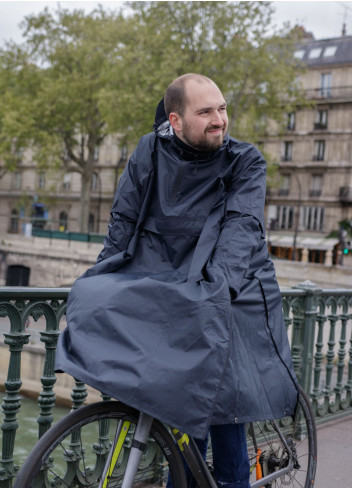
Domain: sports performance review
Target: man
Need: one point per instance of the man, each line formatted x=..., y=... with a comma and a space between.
x=183, y=307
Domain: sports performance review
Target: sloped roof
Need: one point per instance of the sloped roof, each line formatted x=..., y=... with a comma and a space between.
x=316, y=52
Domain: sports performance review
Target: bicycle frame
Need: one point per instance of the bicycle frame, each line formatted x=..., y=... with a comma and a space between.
x=279, y=473
x=188, y=448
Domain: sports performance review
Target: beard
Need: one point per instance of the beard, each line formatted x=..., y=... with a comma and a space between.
x=206, y=141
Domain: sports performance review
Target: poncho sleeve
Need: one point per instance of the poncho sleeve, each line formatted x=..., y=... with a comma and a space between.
x=127, y=202
x=243, y=226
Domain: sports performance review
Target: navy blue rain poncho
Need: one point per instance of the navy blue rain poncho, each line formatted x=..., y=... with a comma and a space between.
x=181, y=316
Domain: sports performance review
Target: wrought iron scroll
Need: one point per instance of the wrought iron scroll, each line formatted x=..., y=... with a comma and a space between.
x=18, y=304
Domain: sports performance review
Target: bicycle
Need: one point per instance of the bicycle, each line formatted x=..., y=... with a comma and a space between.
x=108, y=444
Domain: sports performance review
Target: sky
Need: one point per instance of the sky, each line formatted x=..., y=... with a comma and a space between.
x=323, y=18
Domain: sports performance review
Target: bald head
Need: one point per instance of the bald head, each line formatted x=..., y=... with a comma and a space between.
x=196, y=110
x=175, y=99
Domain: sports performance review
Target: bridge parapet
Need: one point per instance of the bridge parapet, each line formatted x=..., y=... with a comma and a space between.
x=319, y=325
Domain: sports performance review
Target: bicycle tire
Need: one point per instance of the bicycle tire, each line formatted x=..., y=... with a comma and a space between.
x=72, y=453
x=300, y=433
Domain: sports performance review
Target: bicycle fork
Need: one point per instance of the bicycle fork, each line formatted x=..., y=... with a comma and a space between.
x=137, y=448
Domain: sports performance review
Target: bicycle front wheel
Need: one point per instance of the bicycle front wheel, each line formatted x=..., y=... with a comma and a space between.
x=267, y=448
x=74, y=451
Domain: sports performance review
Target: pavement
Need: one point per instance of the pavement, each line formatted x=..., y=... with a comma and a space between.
x=334, y=467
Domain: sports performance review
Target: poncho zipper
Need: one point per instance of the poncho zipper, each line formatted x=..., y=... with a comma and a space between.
x=178, y=181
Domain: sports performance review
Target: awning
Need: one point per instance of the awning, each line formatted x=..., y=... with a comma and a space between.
x=309, y=242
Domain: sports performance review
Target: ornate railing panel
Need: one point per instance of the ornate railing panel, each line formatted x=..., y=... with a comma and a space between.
x=319, y=324
x=320, y=330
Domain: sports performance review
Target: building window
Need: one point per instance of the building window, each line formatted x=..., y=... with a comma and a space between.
x=321, y=219
x=290, y=218
x=285, y=216
x=17, y=180
x=91, y=222
x=14, y=221
x=319, y=150
x=96, y=153
x=94, y=184
x=325, y=84
x=299, y=53
x=66, y=182
x=65, y=156
x=63, y=221
x=285, y=185
x=321, y=121
x=316, y=185
x=329, y=51
x=314, y=53
x=41, y=181
x=313, y=218
x=291, y=121
x=19, y=155
x=287, y=151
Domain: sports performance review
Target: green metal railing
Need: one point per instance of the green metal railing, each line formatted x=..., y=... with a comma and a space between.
x=319, y=324
x=69, y=235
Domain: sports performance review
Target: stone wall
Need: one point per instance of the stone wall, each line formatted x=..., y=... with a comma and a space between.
x=57, y=263
x=52, y=263
x=291, y=273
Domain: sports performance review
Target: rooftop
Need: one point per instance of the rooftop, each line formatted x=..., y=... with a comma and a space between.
x=326, y=52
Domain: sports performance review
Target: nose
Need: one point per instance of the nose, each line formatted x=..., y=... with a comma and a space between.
x=217, y=119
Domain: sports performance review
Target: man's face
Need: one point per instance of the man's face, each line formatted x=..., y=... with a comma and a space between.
x=204, y=123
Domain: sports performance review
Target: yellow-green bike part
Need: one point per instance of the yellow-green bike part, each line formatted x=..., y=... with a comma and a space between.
x=124, y=430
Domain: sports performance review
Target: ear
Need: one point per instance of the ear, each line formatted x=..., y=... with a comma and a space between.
x=175, y=121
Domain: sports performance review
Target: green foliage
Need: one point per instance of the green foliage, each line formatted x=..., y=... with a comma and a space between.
x=346, y=224
x=52, y=87
x=227, y=41
x=79, y=77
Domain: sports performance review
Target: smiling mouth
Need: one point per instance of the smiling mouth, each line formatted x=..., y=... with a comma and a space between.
x=216, y=130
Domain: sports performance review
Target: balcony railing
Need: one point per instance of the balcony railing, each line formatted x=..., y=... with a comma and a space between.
x=346, y=195
x=320, y=125
x=319, y=325
x=330, y=92
x=315, y=193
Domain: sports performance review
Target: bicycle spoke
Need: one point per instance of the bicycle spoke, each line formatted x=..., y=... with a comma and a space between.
x=299, y=435
x=75, y=454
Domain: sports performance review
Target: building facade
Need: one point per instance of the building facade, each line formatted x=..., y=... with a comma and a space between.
x=50, y=199
x=313, y=154
x=314, y=158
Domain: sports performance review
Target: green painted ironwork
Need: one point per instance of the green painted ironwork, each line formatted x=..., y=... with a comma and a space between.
x=69, y=235
x=319, y=324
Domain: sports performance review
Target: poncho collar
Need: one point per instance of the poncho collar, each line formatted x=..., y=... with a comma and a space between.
x=185, y=151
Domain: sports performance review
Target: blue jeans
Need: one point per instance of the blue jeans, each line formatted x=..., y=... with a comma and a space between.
x=230, y=457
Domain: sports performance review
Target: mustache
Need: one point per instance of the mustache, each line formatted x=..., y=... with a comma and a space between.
x=215, y=126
